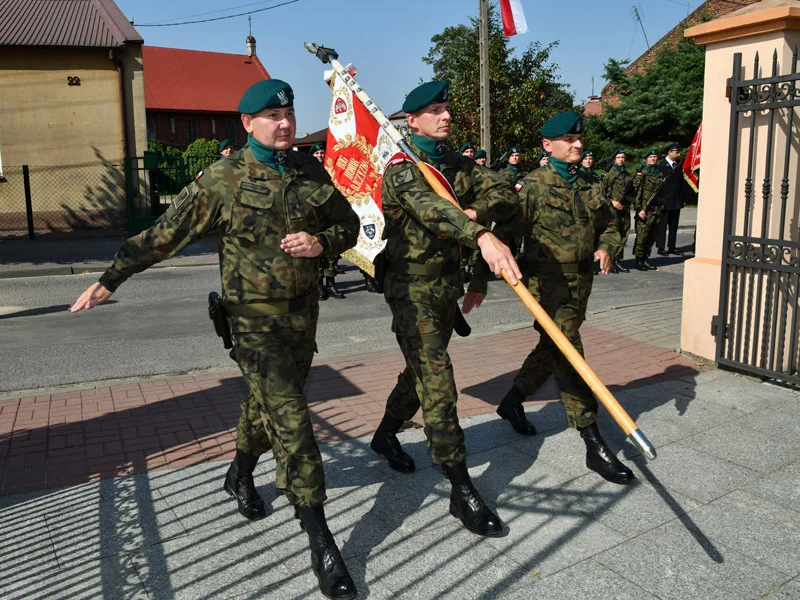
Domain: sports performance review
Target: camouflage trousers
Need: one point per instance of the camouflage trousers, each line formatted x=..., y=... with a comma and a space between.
x=564, y=297
x=624, y=227
x=646, y=232
x=327, y=267
x=423, y=332
x=275, y=366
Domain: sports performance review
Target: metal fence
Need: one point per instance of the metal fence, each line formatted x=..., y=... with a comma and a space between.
x=63, y=200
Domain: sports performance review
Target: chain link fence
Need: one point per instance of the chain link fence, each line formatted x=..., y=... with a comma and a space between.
x=63, y=200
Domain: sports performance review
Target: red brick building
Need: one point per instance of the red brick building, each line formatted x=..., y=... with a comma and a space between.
x=190, y=94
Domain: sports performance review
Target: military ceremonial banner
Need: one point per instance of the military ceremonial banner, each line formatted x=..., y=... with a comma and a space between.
x=513, y=18
x=355, y=157
x=691, y=164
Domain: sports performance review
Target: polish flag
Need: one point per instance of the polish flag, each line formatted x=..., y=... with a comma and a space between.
x=513, y=17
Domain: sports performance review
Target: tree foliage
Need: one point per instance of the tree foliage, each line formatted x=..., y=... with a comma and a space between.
x=524, y=89
x=661, y=104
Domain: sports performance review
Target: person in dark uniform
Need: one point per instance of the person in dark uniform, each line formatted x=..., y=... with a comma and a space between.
x=467, y=150
x=671, y=198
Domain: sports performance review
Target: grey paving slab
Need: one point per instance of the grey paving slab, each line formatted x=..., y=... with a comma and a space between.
x=25, y=546
x=744, y=393
x=694, y=474
x=113, y=577
x=781, y=487
x=677, y=561
x=210, y=565
x=563, y=449
x=737, y=443
x=547, y=535
x=587, y=580
x=447, y=563
x=503, y=475
x=628, y=510
x=780, y=420
x=768, y=534
x=788, y=591
x=129, y=515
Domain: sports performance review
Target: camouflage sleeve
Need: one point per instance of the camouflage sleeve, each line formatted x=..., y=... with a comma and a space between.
x=341, y=225
x=607, y=185
x=609, y=238
x=496, y=199
x=433, y=213
x=638, y=192
x=191, y=215
x=508, y=228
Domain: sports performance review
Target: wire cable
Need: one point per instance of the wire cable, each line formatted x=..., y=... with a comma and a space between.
x=215, y=18
x=211, y=12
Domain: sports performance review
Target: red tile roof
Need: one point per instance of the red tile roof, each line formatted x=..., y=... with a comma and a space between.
x=192, y=80
x=70, y=23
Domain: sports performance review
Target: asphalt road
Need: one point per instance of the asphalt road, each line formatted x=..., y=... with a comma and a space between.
x=157, y=323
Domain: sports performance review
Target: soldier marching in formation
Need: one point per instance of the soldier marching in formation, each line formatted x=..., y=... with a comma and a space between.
x=617, y=189
x=275, y=211
x=648, y=210
x=422, y=286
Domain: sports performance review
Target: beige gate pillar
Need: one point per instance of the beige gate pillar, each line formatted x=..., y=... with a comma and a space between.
x=764, y=28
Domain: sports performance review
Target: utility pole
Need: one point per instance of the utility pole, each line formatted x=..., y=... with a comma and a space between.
x=485, y=114
x=638, y=18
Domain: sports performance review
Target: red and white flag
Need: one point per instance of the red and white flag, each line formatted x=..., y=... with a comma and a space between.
x=355, y=157
x=513, y=17
x=691, y=164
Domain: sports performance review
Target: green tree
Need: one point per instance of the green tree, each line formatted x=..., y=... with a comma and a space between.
x=525, y=90
x=662, y=103
x=199, y=154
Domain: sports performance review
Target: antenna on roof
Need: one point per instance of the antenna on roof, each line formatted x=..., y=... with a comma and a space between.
x=250, y=23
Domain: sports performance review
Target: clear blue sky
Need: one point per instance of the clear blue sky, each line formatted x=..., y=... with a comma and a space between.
x=387, y=41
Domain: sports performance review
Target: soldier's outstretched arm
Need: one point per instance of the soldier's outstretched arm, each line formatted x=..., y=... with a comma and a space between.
x=192, y=214
x=496, y=200
x=341, y=224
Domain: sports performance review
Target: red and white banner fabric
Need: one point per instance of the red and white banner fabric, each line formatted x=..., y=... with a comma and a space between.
x=513, y=17
x=691, y=164
x=355, y=157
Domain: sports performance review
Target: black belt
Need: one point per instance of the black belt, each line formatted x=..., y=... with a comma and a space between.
x=410, y=268
x=584, y=266
x=270, y=308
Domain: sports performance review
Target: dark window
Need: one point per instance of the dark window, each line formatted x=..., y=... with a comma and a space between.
x=191, y=130
x=231, y=130
x=151, y=128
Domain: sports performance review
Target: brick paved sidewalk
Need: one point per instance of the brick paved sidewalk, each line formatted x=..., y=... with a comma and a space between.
x=77, y=436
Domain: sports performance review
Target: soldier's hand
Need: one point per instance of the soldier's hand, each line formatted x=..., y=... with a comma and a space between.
x=617, y=205
x=301, y=245
x=605, y=261
x=471, y=214
x=498, y=256
x=95, y=294
x=472, y=300
x=642, y=214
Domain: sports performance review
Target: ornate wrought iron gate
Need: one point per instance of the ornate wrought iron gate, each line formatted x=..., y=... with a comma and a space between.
x=757, y=325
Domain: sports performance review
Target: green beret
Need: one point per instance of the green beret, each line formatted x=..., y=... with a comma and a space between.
x=425, y=94
x=587, y=153
x=270, y=93
x=651, y=152
x=562, y=124
x=466, y=146
x=618, y=151
x=513, y=150
x=224, y=144
x=540, y=156
x=480, y=154
x=317, y=146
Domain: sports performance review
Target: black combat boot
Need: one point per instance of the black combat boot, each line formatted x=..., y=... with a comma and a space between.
x=467, y=505
x=330, y=287
x=328, y=565
x=385, y=443
x=369, y=284
x=323, y=291
x=649, y=266
x=601, y=460
x=640, y=265
x=512, y=411
x=239, y=484
x=620, y=267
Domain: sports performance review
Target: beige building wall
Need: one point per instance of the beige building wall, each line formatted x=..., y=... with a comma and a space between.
x=71, y=136
x=702, y=274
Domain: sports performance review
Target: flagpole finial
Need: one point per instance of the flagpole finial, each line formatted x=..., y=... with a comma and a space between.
x=321, y=52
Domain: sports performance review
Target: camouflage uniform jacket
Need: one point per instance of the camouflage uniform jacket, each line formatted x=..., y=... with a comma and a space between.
x=646, y=184
x=616, y=187
x=252, y=207
x=513, y=174
x=421, y=227
x=562, y=223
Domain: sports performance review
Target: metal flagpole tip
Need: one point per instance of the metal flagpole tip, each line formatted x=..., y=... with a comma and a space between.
x=321, y=52
x=642, y=443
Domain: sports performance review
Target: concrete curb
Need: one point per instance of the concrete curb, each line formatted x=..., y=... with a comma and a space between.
x=82, y=270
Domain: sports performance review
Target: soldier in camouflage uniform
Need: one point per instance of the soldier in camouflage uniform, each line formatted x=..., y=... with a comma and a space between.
x=648, y=213
x=567, y=224
x=422, y=286
x=618, y=189
x=513, y=170
x=275, y=212
x=327, y=266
